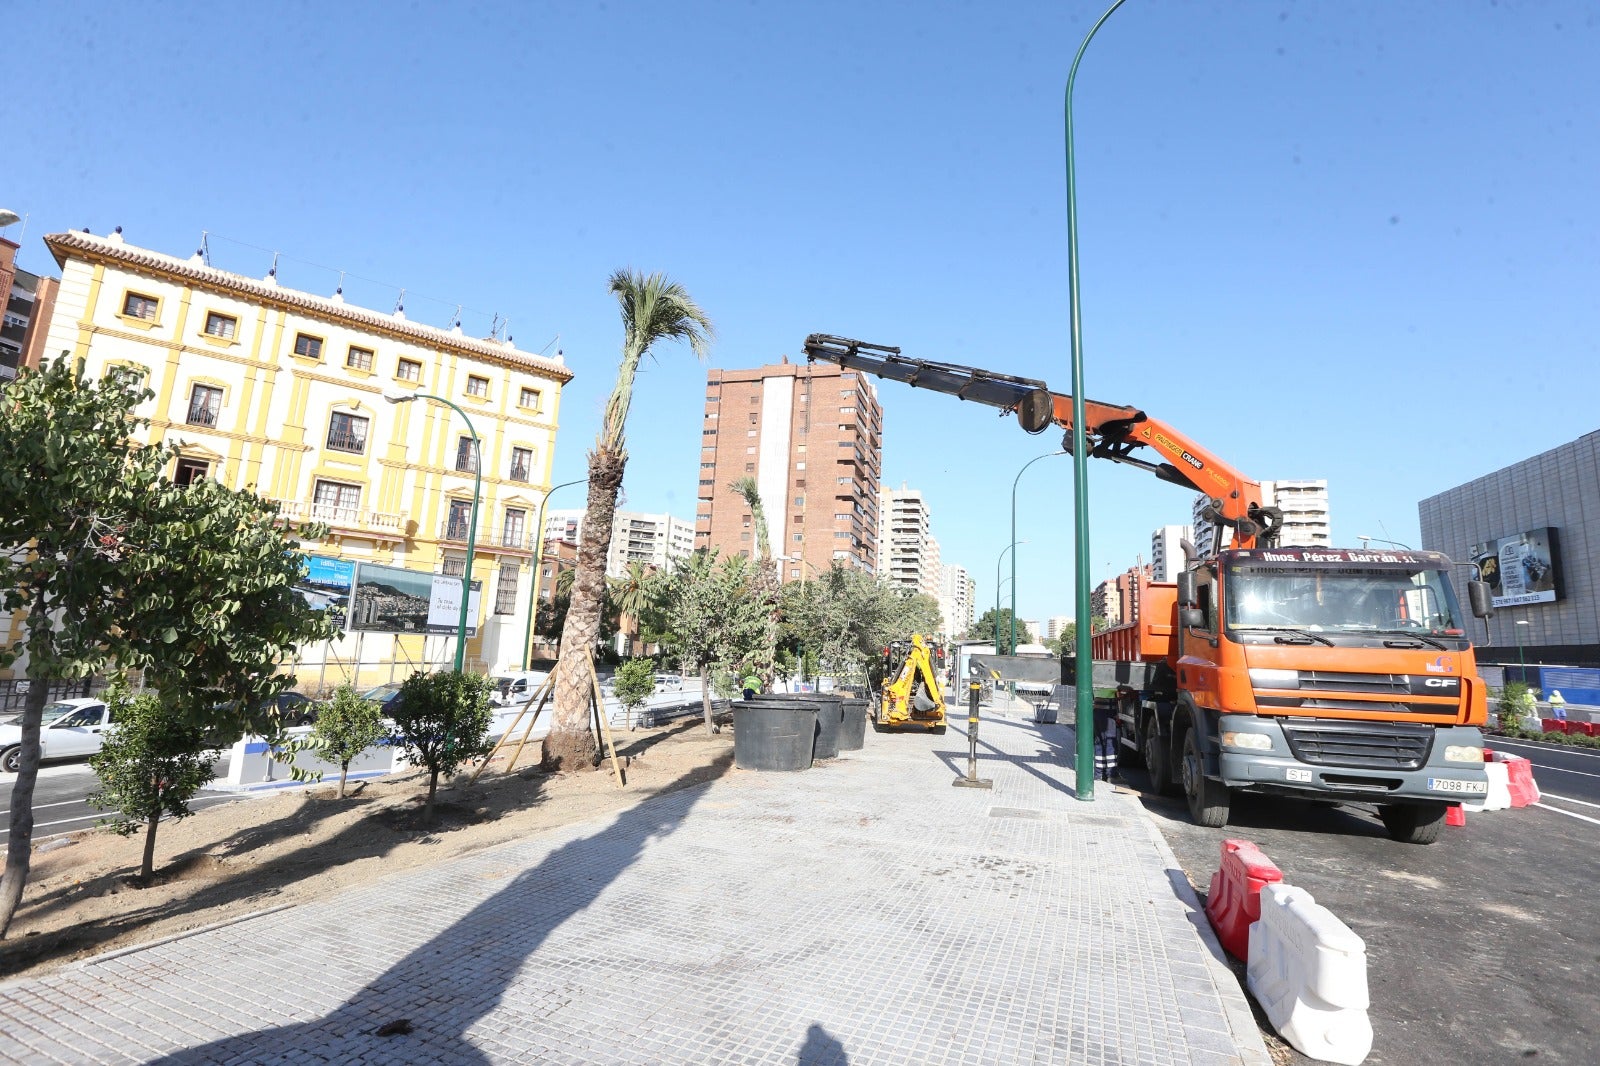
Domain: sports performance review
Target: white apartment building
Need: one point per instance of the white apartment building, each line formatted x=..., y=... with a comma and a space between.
x=653, y=539
x=957, y=592
x=1055, y=626
x=1167, y=557
x=1305, y=515
x=282, y=391
x=908, y=555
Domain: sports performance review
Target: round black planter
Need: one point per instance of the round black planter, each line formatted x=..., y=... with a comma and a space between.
x=827, y=704
x=853, y=726
x=773, y=734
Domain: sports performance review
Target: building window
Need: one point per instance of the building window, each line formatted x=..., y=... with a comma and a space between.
x=335, y=500
x=749, y=432
x=505, y=591
x=749, y=468
x=307, y=346
x=521, y=464
x=205, y=404
x=528, y=398
x=799, y=466
x=466, y=459
x=755, y=399
x=459, y=522
x=794, y=573
x=189, y=471
x=358, y=358
x=514, y=532
x=744, y=536
x=138, y=305
x=799, y=537
x=477, y=386
x=224, y=326
x=347, y=433
x=749, y=451
x=453, y=565
x=799, y=501
x=754, y=417
x=408, y=370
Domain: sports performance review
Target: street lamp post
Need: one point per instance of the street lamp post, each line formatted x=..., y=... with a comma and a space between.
x=538, y=568
x=997, y=586
x=472, y=525
x=1382, y=540
x=1012, y=650
x=1084, y=767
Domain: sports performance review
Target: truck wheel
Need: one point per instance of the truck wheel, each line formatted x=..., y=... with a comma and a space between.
x=11, y=760
x=1413, y=823
x=1157, y=758
x=1208, y=800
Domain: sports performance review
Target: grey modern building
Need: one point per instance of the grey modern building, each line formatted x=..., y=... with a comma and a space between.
x=1532, y=530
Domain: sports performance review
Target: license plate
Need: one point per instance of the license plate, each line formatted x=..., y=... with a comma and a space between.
x=1445, y=784
x=1297, y=775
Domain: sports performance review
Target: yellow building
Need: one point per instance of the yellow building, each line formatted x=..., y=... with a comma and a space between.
x=280, y=391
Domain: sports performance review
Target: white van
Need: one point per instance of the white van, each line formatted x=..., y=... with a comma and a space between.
x=515, y=686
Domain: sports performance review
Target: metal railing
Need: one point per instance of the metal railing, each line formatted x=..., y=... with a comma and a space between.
x=335, y=515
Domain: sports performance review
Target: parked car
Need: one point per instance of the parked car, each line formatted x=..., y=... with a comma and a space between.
x=669, y=682
x=385, y=696
x=515, y=686
x=70, y=729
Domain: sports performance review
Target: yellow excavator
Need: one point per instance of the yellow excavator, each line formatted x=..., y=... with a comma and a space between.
x=912, y=698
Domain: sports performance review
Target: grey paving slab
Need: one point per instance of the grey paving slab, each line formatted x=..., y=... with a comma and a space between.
x=863, y=911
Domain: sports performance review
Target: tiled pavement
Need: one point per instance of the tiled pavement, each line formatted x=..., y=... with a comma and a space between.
x=863, y=911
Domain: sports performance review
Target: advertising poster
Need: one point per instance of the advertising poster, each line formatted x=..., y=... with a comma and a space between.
x=389, y=599
x=1520, y=568
x=326, y=586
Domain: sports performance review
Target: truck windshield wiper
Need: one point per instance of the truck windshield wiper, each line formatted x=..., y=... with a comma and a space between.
x=1292, y=630
x=1411, y=634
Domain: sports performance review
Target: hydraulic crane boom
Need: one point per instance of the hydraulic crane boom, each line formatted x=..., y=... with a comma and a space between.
x=1114, y=432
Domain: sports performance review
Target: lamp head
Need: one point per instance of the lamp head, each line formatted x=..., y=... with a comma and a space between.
x=393, y=395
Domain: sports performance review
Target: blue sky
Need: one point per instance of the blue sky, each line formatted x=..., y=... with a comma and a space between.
x=1353, y=240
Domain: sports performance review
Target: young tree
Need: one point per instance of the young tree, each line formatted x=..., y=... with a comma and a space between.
x=347, y=726
x=709, y=616
x=633, y=683
x=152, y=763
x=443, y=721
x=653, y=309
x=846, y=617
x=764, y=578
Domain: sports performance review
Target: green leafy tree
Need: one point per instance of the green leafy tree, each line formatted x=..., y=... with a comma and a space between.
x=841, y=621
x=633, y=683
x=653, y=309
x=764, y=577
x=345, y=727
x=106, y=562
x=151, y=764
x=710, y=618
x=443, y=721
x=984, y=628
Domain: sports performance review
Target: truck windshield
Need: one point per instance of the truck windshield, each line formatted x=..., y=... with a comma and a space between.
x=1379, y=600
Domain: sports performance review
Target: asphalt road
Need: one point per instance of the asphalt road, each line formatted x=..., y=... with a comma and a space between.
x=1481, y=948
x=59, y=798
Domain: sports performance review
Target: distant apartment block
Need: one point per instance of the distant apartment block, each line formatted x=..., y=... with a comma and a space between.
x=812, y=437
x=1113, y=598
x=1055, y=626
x=909, y=551
x=652, y=539
x=957, y=591
x=29, y=299
x=1305, y=515
x=1167, y=556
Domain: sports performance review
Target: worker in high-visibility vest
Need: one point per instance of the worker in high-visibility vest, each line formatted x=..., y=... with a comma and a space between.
x=1558, y=706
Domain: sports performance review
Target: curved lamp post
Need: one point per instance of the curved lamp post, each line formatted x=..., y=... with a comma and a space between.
x=538, y=568
x=1381, y=540
x=1084, y=767
x=1013, y=648
x=997, y=564
x=472, y=522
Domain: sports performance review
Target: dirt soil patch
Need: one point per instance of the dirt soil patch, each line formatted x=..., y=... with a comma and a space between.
x=232, y=859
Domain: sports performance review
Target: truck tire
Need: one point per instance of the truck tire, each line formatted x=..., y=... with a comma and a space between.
x=1413, y=823
x=1209, y=802
x=1157, y=758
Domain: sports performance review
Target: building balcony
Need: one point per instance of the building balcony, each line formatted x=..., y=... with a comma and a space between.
x=342, y=519
x=491, y=538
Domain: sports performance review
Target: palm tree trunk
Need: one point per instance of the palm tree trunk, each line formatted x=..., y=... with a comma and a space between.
x=571, y=745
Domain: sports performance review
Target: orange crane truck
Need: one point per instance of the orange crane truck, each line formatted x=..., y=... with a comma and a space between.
x=1331, y=674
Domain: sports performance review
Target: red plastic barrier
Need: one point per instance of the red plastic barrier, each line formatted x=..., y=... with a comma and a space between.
x=1519, y=779
x=1553, y=725
x=1455, y=815
x=1582, y=729
x=1234, y=898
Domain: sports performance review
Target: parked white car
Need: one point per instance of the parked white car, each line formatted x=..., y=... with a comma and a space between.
x=515, y=686
x=70, y=729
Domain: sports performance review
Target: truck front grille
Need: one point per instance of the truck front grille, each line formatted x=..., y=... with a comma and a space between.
x=1335, y=681
x=1359, y=745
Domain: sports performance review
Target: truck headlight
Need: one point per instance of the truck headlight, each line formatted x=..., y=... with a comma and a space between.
x=1250, y=741
x=1463, y=753
x=1261, y=677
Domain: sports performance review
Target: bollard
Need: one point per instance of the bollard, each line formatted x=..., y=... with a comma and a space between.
x=972, y=780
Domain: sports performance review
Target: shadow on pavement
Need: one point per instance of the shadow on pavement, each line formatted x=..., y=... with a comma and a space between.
x=429, y=999
x=821, y=1049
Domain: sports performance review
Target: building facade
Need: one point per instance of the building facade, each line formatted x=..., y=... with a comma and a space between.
x=283, y=392
x=656, y=540
x=956, y=596
x=908, y=550
x=1304, y=504
x=1532, y=530
x=25, y=322
x=812, y=437
x=1056, y=626
x=1167, y=557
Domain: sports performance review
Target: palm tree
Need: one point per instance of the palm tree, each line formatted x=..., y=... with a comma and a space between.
x=764, y=582
x=630, y=595
x=653, y=309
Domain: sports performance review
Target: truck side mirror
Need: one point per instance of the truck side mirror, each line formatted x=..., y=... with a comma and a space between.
x=1191, y=616
x=1478, y=596
x=1186, y=593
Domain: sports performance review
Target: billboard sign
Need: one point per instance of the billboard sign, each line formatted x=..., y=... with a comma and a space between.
x=326, y=586
x=1521, y=568
x=390, y=599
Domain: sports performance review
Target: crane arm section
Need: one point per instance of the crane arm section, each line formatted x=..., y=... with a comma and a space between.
x=1114, y=431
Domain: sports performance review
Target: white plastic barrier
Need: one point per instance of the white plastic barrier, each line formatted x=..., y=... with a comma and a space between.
x=251, y=766
x=1308, y=971
x=1498, y=797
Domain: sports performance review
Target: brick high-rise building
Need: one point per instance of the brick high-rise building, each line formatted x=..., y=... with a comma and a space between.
x=812, y=437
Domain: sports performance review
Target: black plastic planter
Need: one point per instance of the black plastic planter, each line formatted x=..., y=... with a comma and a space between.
x=773, y=734
x=853, y=726
x=827, y=704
